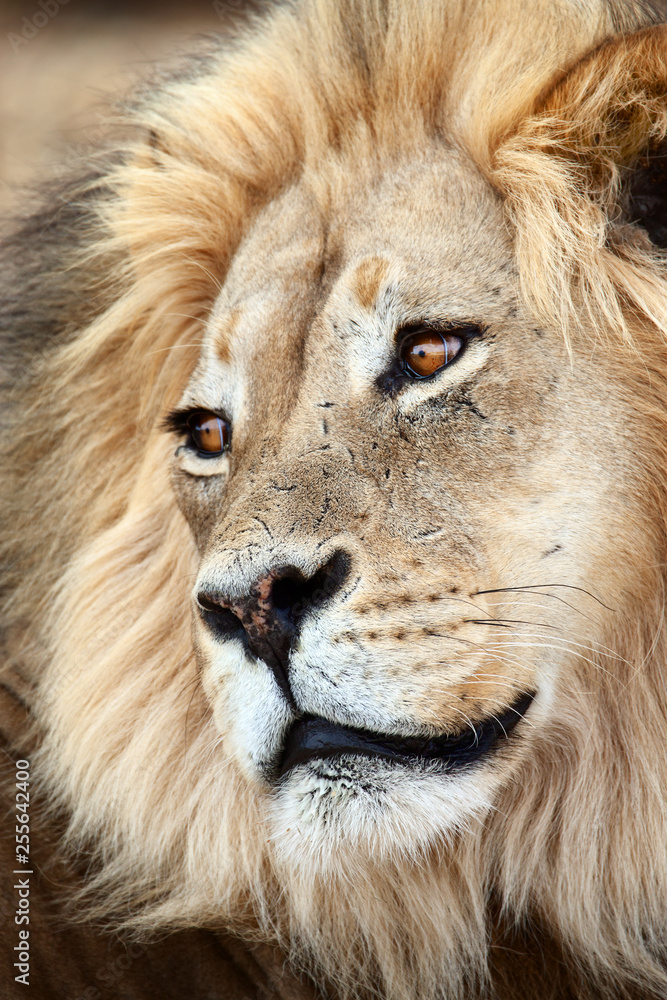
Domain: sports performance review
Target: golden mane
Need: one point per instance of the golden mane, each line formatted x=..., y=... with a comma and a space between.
x=107, y=292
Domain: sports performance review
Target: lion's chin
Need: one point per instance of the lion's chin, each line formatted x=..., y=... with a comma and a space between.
x=334, y=813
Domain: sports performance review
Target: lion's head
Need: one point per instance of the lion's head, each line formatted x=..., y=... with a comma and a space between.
x=336, y=542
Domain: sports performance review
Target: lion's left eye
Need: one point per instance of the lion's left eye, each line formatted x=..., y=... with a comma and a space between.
x=209, y=432
x=427, y=351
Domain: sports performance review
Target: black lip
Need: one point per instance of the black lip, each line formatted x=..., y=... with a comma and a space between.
x=312, y=738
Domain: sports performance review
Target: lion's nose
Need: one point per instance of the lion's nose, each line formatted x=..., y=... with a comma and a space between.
x=272, y=611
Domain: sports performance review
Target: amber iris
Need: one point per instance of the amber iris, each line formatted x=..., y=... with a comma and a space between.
x=427, y=351
x=210, y=433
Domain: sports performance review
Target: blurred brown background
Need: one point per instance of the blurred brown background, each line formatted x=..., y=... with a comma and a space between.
x=63, y=61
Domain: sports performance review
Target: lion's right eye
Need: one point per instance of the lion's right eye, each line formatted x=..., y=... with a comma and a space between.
x=425, y=352
x=209, y=432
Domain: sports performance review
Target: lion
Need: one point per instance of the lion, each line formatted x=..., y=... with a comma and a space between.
x=335, y=498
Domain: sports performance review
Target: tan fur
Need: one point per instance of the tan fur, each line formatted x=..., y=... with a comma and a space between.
x=368, y=280
x=343, y=161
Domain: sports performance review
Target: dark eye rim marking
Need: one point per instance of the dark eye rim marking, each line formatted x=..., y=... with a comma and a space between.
x=399, y=374
x=179, y=422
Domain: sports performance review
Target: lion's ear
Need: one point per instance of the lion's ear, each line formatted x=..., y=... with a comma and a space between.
x=585, y=178
x=611, y=112
x=645, y=194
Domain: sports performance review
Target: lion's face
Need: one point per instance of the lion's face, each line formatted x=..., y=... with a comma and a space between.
x=394, y=571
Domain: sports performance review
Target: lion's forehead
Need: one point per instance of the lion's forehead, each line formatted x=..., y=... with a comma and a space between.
x=425, y=239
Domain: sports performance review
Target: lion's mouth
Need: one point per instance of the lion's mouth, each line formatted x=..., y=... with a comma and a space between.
x=311, y=738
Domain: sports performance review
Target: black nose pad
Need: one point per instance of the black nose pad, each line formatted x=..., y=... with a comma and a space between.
x=271, y=613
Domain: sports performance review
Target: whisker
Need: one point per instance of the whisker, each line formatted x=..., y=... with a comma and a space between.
x=456, y=600
x=198, y=263
x=480, y=678
x=543, y=607
x=560, y=649
x=508, y=622
x=592, y=648
x=500, y=724
x=174, y=347
x=540, y=586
